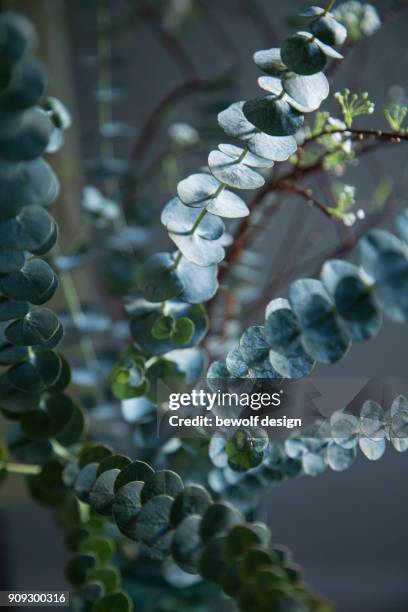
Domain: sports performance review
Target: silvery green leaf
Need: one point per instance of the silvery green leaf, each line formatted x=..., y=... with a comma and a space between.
x=228, y=205
x=312, y=11
x=313, y=464
x=398, y=427
x=263, y=369
x=197, y=189
x=399, y=405
x=273, y=116
x=157, y=278
x=385, y=259
x=252, y=345
x=322, y=336
x=328, y=30
x=270, y=61
x=344, y=429
x=372, y=420
x=218, y=369
x=236, y=364
x=372, y=449
x=136, y=409
x=276, y=148
x=283, y=336
x=295, y=447
x=234, y=123
x=234, y=174
x=271, y=84
x=306, y=93
x=354, y=299
x=179, y=219
x=328, y=50
x=198, y=284
x=254, y=161
x=141, y=326
x=199, y=251
x=338, y=457
x=302, y=54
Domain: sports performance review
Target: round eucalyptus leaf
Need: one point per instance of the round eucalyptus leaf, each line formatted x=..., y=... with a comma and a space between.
x=93, y=453
x=196, y=189
x=76, y=428
x=283, y=336
x=249, y=159
x=31, y=183
x=385, y=259
x=153, y=522
x=11, y=260
x=17, y=37
x=183, y=331
x=372, y=420
x=218, y=370
x=36, y=282
x=102, y=495
x=103, y=547
x=10, y=354
x=50, y=419
x=111, y=462
x=25, y=86
x=12, y=309
x=253, y=346
x=63, y=379
x=50, y=241
x=216, y=451
x=135, y=471
x=328, y=50
x=227, y=204
x=236, y=364
x=313, y=464
x=322, y=337
x=180, y=219
x=276, y=148
x=245, y=448
x=199, y=284
x=270, y=61
x=218, y=519
x=312, y=11
x=271, y=84
x=24, y=449
x=340, y=458
x=157, y=279
x=14, y=402
x=92, y=592
x=211, y=562
x=302, y=54
x=127, y=504
x=41, y=370
x=234, y=123
x=29, y=231
x=239, y=539
x=163, y=482
x=119, y=602
x=85, y=481
x=187, y=545
x=198, y=250
x=329, y=30
x=306, y=93
x=36, y=328
x=353, y=298
x=108, y=576
x=193, y=500
x=273, y=116
x=232, y=173
x=24, y=136
x=78, y=567
x=141, y=327
x=373, y=449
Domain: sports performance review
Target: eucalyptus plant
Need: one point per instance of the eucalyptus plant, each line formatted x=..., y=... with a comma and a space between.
x=101, y=498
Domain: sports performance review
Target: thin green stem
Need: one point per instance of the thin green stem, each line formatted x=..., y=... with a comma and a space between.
x=61, y=451
x=329, y=7
x=21, y=468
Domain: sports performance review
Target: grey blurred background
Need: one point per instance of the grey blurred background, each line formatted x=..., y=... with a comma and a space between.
x=347, y=530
